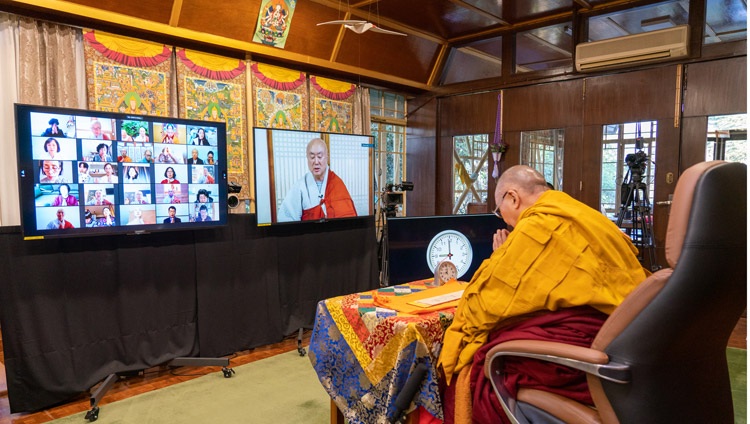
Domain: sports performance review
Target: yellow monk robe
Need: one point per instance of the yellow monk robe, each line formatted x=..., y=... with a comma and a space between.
x=561, y=254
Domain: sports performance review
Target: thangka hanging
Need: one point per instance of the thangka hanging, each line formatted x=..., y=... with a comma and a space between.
x=127, y=75
x=332, y=105
x=212, y=88
x=274, y=20
x=279, y=98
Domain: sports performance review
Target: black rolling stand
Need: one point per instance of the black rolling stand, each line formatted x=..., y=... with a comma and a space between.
x=98, y=393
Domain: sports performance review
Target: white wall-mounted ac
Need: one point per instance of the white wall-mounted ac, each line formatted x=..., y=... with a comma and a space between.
x=664, y=44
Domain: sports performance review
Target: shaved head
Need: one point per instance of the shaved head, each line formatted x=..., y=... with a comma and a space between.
x=317, y=158
x=524, y=178
x=517, y=189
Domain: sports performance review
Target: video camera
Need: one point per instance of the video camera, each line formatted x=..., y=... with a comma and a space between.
x=637, y=162
x=393, y=196
x=404, y=186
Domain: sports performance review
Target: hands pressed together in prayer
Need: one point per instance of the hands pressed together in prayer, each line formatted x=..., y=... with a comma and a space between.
x=499, y=238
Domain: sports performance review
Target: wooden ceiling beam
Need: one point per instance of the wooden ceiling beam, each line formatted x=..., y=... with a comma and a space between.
x=339, y=40
x=174, y=17
x=256, y=50
x=380, y=21
x=439, y=67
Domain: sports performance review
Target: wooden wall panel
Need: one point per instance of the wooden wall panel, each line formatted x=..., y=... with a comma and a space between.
x=469, y=114
x=420, y=156
x=693, y=147
x=232, y=16
x=544, y=106
x=581, y=107
x=589, y=185
x=716, y=88
x=573, y=164
x=667, y=162
x=631, y=96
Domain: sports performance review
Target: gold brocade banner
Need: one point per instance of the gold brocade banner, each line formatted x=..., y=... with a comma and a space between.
x=213, y=88
x=279, y=98
x=332, y=105
x=127, y=75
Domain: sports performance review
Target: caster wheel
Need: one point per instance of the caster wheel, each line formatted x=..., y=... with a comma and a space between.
x=93, y=414
x=227, y=372
x=301, y=351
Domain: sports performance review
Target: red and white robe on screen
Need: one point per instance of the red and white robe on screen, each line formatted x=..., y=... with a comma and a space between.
x=306, y=201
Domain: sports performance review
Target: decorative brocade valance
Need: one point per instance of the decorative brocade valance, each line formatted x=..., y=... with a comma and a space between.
x=332, y=89
x=128, y=51
x=211, y=66
x=278, y=78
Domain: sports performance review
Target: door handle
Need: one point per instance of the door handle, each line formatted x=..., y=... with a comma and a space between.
x=664, y=203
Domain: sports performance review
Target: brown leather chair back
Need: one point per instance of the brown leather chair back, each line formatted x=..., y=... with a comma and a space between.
x=673, y=329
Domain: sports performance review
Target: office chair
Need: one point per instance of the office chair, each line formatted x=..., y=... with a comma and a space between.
x=661, y=356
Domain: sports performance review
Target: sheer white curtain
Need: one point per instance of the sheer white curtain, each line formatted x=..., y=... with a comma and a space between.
x=42, y=63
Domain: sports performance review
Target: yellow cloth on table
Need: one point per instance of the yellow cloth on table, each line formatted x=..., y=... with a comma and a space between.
x=406, y=304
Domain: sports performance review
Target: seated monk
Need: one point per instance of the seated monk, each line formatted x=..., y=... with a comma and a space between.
x=561, y=254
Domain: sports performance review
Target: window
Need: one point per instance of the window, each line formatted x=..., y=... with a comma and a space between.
x=469, y=171
x=543, y=151
x=388, y=127
x=543, y=49
x=628, y=157
x=726, y=138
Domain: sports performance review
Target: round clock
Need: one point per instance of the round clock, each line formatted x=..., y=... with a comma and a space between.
x=453, y=246
x=444, y=271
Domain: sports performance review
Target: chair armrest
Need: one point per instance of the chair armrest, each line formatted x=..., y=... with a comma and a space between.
x=585, y=359
x=565, y=409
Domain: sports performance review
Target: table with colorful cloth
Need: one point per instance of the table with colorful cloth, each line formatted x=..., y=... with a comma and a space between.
x=363, y=349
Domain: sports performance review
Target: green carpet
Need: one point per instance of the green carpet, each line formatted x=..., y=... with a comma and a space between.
x=279, y=390
x=737, y=360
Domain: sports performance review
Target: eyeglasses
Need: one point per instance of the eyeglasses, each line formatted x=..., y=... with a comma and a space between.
x=496, y=211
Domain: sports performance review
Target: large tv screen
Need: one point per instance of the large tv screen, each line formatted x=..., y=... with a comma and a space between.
x=417, y=244
x=84, y=172
x=311, y=176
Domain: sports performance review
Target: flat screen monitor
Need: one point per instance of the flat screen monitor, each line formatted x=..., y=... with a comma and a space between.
x=84, y=172
x=311, y=176
x=417, y=244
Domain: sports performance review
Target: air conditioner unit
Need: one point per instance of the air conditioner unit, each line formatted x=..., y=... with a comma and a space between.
x=664, y=44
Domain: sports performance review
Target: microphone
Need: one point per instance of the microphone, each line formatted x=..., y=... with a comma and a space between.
x=407, y=393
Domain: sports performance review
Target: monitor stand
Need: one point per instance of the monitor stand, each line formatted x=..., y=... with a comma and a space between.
x=97, y=395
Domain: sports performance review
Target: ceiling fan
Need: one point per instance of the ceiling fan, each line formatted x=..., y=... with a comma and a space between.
x=361, y=26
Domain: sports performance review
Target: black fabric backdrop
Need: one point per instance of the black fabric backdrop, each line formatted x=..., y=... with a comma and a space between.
x=73, y=311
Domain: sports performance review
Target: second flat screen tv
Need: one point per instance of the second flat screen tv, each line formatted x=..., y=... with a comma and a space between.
x=416, y=244
x=311, y=176
x=85, y=172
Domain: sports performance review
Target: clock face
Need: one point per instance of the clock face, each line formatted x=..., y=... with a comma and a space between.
x=445, y=271
x=453, y=246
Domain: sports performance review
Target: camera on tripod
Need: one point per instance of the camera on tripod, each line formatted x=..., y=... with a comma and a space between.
x=637, y=162
x=393, y=196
